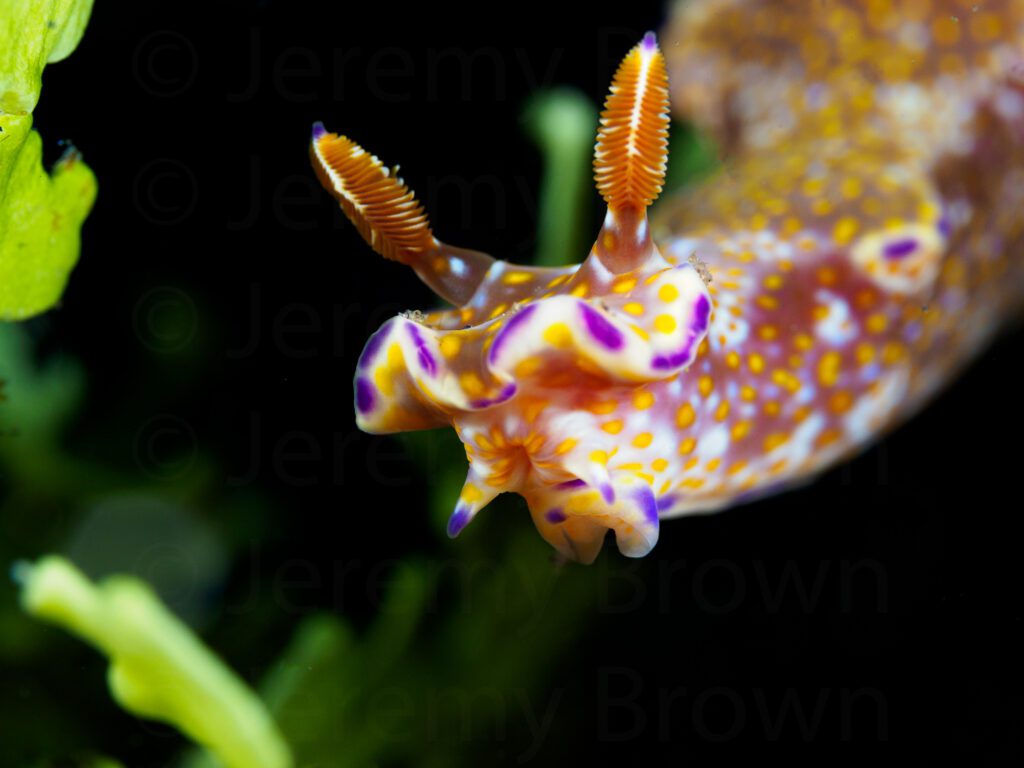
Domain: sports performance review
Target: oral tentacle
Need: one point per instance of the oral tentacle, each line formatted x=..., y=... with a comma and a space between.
x=476, y=493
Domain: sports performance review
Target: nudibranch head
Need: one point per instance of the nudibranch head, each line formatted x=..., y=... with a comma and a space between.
x=550, y=376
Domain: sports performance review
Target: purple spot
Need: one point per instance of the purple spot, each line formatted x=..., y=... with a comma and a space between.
x=701, y=311
x=607, y=492
x=458, y=521
x=945, y=228
x=577, y=483
x=650, y=41
x=426, y=359
x=645, y=500
x=372, y=347
x=318, y=130
x=899, y=248
x=555, y=516
x=599, y=327
x=753, y=495
x=364, y=395
x=673, y=360
x=514, y=322
x=662, y=362
x=506, y=393
x=666, y=502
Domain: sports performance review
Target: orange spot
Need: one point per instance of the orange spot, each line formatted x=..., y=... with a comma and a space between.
x=559, y=280
x=558, y=335
x=877, y=323
x=624, y=285
x=685, y=416
x=664, y=324
x=827, y=276
x=643, y=400
x=472, y=384
x=946, y=30
x=643, y=440
x=865, y=353
x=841, y=401
x=828, y=437
x=829, y=366
x=450, y=345
x=516, y=278
x=741, y=429
x=892, y=353
x=844, y=230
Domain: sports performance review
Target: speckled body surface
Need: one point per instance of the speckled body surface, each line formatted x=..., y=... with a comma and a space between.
x=865, y=238
x=862, y=241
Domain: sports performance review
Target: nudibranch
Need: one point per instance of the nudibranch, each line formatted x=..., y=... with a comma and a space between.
x=761, y=327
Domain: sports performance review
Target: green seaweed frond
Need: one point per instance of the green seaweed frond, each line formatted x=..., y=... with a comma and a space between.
x=158, y=668
x=40, y=214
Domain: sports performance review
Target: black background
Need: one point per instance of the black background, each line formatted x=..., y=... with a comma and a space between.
x=198, y=127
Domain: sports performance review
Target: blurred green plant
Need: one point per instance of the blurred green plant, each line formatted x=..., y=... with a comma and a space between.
x=158, y=668
x=40, y=214
x=562, y=123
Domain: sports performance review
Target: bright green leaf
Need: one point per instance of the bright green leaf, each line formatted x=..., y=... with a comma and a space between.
x=158, y=668
x=40, y=214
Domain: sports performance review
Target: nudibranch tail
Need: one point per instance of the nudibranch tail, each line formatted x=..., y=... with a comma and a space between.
x=631, y=155
x=390, y=218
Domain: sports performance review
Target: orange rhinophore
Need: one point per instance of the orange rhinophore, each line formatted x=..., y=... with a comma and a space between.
x=632, y=144
x=390, y=218
x=384, y=210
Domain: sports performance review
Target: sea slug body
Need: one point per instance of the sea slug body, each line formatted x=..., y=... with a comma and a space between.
x=861, y=244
